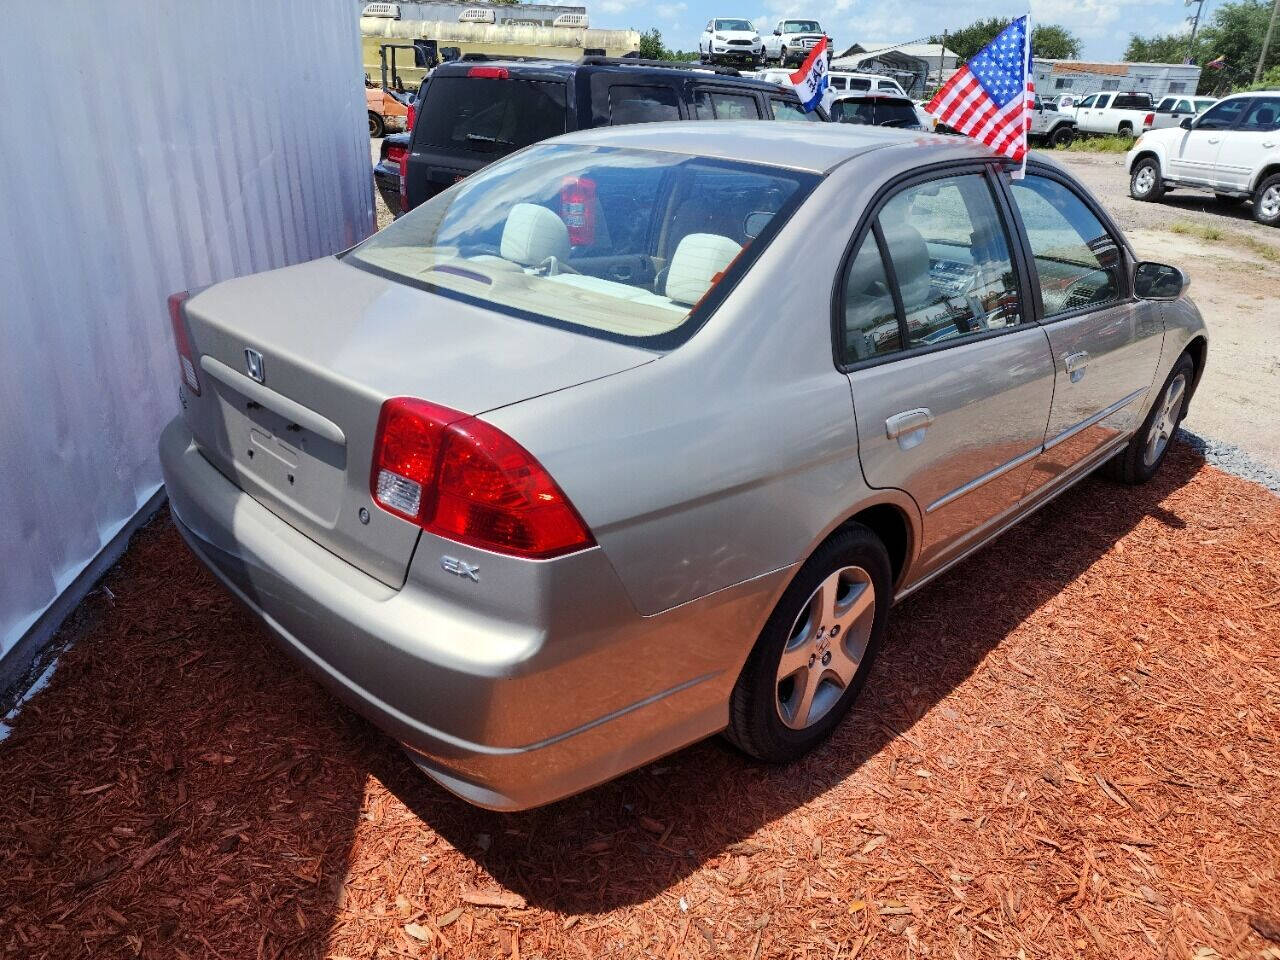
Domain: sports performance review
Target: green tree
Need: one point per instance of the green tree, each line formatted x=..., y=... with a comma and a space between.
x=1234, y=33
x=651, y=45
x=1047, y=40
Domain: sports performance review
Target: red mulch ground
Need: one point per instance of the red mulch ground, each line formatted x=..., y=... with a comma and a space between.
x=1068, y=749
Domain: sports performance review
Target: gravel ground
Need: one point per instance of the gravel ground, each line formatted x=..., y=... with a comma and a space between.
x=1067, y=749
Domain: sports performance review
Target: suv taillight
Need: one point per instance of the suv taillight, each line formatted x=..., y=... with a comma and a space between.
x=400, y=157
x=186, y=359
x=413, y=116
x=466, y=480
x=578, y=210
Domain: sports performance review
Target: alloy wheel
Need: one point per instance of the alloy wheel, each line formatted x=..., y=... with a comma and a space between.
x=1269, y=202
x=825, y=647
x=1166, y=421
x=1144, y=180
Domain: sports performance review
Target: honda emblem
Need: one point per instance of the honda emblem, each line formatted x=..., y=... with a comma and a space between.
x=253, y=363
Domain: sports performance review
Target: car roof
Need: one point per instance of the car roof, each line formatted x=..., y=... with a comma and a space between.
x=541, y=68
x=812, y=147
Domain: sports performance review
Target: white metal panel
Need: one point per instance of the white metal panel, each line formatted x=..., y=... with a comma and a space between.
x=145, y=148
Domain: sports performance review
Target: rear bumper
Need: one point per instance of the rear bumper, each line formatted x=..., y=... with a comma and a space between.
x=507, y=712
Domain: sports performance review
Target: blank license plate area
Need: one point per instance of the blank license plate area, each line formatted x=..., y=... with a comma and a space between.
x=301, y=470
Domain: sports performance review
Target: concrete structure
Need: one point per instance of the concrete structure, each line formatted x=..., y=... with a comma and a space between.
x=210, y=142
x=1056, y=77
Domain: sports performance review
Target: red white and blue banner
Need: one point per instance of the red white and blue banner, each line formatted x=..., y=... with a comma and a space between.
x=811, y=83
x=991, y=97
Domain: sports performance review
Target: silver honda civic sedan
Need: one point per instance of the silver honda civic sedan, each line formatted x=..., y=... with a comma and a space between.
x=636, y=436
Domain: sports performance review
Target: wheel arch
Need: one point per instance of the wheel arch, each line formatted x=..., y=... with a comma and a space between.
x=1147, y=155
x=1270, y=170
x=1198, y=349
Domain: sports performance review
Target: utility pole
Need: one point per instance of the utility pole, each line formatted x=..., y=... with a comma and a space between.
x=942, y=56
x=1195, y=25
x=1266, y=43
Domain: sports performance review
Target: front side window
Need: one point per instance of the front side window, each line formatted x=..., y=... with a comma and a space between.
x=615, y=243
x=1263, y=115
x=1166, y=105
x=1222, y=114
x=1077, y=260
x=490, y=115
x=1088, y=101
x=642, y=105
x=948, y=264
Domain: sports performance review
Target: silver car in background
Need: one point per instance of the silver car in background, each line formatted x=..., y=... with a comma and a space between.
x=635, y=436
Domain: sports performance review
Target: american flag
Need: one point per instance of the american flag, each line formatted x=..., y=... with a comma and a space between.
x=990, y=97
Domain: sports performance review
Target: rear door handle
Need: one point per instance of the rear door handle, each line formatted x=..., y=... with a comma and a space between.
x=1075, y=364
x=1268, y=144
x=908, y=427
x=1214, y=139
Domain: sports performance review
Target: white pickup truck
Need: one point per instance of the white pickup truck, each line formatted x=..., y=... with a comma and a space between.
x=1126, y=114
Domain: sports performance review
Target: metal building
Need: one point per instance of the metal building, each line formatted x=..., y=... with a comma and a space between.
x=175, y=145
x=1056, y=77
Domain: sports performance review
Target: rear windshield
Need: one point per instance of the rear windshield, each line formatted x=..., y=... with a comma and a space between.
x=878, y=112
x=1132, y=101
x=490, y=115
x=636, y=246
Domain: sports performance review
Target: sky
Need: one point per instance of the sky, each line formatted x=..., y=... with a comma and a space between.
x=1103, y=26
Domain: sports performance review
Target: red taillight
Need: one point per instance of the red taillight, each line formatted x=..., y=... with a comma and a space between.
x=578, y=209
x=186, y=359
x=493, y=73
x=395, y=153
x=413, y=115
x=1149, y=119
x=403, y=162
x=464, y=479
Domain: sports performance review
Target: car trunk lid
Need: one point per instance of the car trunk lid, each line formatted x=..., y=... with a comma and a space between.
x=295, y=364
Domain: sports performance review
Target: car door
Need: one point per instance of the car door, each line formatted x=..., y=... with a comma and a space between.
x=1106, y=344
x=1245, y=149
x=951, y=379
x=1084, y=110
x=1096, y=122
x=1194, y=158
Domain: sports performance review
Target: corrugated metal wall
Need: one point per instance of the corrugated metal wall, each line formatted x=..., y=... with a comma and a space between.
x=145, y=147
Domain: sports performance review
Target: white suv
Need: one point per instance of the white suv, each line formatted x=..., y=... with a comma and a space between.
x=843, y=81
x=1233, y=149
x=726, y=40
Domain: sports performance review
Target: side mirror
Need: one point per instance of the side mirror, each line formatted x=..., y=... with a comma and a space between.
x=1186, y=123
x=777, y=33
x=1159, y=281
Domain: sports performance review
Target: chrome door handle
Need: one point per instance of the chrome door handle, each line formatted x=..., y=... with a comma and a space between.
x=907, y=422
x=1214, y=139
x=1075, y=364
x=1268, y=144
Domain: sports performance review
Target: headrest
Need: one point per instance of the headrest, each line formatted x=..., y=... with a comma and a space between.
x=910, y=262
x=533, y=233
x=1266, y=117
x=698, y=259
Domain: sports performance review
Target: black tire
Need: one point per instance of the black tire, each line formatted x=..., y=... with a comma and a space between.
x=1133, y=465
x=376, y=127
x=782, y=56
x=1125, y=129
x=1266, y=201
x=1143, y=188
x=1063, y=136
x=755, y=723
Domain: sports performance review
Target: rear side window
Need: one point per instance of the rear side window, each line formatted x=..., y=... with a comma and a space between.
x=875, y=112
x=714, y=105
x=858, y=83
x=642, y=105
x=1263, y=115
x=490, y=115
x=1077, y=261
x=941, y=254
x=887, y=85
x=791, y=111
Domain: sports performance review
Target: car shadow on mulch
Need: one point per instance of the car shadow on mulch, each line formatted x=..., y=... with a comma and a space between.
x=182, y=789
x=625, y=841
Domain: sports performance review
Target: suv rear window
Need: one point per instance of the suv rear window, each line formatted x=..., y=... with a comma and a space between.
x=490, y=115
x=875, y=111
x=620, y=244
